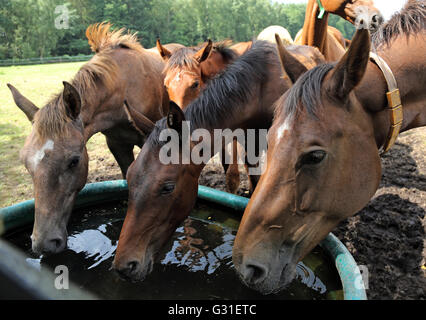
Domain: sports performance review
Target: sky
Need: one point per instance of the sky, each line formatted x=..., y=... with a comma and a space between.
x=386, y=7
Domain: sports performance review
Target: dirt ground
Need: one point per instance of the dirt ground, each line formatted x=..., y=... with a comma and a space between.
x=387, y=236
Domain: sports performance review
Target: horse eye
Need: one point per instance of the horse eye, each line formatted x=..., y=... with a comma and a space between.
x=195, y=85
x=167, y=188
x=73, y=162
x=314, y=157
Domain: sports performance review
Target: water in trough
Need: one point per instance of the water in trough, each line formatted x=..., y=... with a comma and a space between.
x=195, y=264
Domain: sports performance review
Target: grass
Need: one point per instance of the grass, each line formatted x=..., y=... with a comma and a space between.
x=38, y=83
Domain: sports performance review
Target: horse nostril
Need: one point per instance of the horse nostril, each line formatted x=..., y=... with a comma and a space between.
x=128, y=270
x=131, y=266
x=254, y=273
x=56, y=243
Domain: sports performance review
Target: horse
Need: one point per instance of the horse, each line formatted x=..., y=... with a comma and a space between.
x=315, y=31
x=268, y=34
x=323, y=162
x=162, y=195
x=187, y=72
x=55, y=152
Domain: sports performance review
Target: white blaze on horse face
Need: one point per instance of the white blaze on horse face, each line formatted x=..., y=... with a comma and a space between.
x=39, y=155
x=283, y=128
x=177, y=78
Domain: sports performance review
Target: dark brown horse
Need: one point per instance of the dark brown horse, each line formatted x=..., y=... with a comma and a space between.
x=55, y=152
x=162, y=195
x=329, y=40
x=323, y=158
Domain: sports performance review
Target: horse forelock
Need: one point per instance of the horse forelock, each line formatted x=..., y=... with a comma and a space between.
x=184, y=57
x=52, y=121
x=305, y=94
x=181, y=58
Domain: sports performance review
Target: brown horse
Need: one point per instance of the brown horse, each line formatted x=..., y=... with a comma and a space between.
x=187, y=72
x=316, y=32
x=162, y=195
x=323, y=161
x=241, y=47
x=55, y=152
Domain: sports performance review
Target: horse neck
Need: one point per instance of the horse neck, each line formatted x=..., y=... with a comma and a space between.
x=314, y=32
x=93, y=113
x=103, y=106
x=410, y=78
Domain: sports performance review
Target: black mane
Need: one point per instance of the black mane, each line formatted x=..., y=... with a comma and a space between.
x=305, y=93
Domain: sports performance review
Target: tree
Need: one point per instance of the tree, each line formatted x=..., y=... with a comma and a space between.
x=27, y=27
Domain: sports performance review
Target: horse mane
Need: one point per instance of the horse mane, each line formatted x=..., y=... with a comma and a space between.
x=183, y=57
x=52, y=119
x=228, y=92
x=304, y=94
x=410, y=20
x=101, y=37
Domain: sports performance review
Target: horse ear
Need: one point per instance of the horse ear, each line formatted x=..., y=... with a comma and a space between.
x=72, y=100
x=164, y=53
x=138, y=120
x=348, y=73
x=290, y=65
x=175, y=117
x=23, y=103
x=204, y=52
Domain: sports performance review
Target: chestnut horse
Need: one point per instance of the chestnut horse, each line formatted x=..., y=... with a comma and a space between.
x=315, y=31
x=323, y=161
x=162, y=195
x=187, y=72
x=55, y=152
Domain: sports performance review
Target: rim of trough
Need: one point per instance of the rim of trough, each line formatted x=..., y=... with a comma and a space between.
x=22, y=214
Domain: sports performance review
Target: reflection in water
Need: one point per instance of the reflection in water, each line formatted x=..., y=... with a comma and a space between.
x=100, y=247
x=195, y=264
x=308, y=277
x=194, y=254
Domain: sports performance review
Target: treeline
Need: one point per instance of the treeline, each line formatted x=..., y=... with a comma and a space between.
x=41, y=28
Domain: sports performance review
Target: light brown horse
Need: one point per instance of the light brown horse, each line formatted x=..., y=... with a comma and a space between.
x=162, y=195
x=316, y=32
x=55, y=152
x=323, y=158
x=187, y=72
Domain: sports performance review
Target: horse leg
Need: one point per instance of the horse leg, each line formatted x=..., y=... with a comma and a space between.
x=122, y=152
x=232, y=172
x=253, y=178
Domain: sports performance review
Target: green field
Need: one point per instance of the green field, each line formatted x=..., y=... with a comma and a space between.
x=38, y=83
